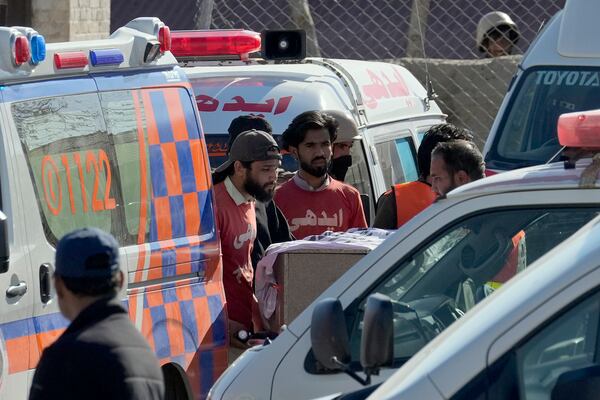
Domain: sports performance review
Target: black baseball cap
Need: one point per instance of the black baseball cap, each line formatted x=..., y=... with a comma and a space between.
x=87, y=253
x=252, y=145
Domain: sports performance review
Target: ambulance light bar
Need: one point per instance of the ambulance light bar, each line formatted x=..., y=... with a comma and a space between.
x=214, y=43
x=579, y=129
x=38, y=49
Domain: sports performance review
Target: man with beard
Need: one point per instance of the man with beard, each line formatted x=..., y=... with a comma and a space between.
x=312, y=201
x=251, y=174
x=271, y=226
x=454, y=164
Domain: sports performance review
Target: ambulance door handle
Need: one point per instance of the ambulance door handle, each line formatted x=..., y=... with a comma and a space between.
x=45, y=285
x=16, y=290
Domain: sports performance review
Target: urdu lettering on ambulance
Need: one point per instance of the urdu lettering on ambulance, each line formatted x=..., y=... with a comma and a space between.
x=123, y=151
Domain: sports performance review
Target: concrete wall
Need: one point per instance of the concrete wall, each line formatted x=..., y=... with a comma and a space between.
x=470, y=91
x=70, y=20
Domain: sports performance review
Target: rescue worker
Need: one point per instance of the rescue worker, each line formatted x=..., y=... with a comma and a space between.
x=405, y=200
x=497, y=34
x=347, y=133
x=312, y=201
x=101, y=355
x=271, y=226
x=251, y=170
x=454, y=164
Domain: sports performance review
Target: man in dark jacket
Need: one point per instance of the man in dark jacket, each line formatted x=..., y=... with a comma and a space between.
x=101, y=355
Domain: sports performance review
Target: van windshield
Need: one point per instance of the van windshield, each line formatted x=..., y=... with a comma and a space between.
x=527, y=134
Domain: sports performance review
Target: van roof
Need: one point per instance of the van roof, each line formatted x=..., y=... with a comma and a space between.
x=563, y=40
x=386, y=92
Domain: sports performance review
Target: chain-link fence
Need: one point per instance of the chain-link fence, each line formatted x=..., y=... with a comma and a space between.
x=405, y=31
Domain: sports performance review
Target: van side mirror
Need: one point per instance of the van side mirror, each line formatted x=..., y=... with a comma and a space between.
x=583, y=383
x=328, y=334
x=4, y=246
x=377, y=342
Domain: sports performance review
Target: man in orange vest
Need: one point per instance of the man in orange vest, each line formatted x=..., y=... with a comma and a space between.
x=405, y=200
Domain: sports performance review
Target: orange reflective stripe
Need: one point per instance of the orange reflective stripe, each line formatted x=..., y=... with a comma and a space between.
x=411, y=199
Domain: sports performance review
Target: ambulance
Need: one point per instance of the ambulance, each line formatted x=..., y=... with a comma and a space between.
x=106, y=133
x=559, y=73
x=388, y=104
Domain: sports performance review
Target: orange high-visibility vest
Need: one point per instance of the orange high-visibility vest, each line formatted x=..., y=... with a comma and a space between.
x=411, y=199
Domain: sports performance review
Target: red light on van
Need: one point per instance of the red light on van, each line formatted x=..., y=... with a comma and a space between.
x=579, y=129
x=71, y=59
x=21, y=51
x=221, y=42
x=164, y=38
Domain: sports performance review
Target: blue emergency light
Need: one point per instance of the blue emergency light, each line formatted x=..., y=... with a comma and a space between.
x=38, y=49
x=106, y=57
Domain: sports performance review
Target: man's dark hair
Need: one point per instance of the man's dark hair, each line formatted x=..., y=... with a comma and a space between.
x=92, y=286
x=434, y=135
x=461, y=155
x=245, y=123
x=219, y=177
x=296, y=131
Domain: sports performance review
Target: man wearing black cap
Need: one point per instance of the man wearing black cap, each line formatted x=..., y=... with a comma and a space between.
x=101, y=355
x=271, y=225
x=251, y=171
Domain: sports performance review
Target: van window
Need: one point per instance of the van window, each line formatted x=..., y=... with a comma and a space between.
x=121, y=161
x=460, y=266
x=398, y=160
x=527, y=135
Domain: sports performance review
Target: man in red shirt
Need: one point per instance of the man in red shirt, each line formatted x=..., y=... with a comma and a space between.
x=251, y=171
x=312, y=201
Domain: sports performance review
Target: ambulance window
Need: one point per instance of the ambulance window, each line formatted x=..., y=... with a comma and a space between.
x=72, y=162
x=358, y=173
x=398, y=160
x=163, y=169
x=527, y=134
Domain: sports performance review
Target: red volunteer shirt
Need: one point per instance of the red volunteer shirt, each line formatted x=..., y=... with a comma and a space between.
x=236, y=220
x=334, y=207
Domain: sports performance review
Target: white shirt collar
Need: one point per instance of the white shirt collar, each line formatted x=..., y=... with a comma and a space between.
x=235, y=194
x=302, y=184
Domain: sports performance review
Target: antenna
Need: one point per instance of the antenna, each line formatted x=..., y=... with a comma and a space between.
x=431, y=94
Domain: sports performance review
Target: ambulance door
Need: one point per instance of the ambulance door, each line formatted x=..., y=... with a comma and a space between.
x=65, y=183
x=36, y=119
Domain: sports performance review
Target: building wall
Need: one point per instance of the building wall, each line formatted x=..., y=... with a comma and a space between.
x=69, y=20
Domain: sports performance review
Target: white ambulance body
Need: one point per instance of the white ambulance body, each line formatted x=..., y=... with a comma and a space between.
x=387, y=102
x=559, y=73
x=87, y=139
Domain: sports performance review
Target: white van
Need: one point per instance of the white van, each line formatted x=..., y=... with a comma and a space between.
x=86, y=139
x=559, y=73
x=438, y=266
x=388, y=103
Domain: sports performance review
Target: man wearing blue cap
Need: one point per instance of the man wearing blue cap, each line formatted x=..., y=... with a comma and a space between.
x=101, y=355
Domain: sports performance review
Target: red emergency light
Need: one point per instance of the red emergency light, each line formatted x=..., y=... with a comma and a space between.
x=218, y=42
x=70, y=59
x=164, y=38
x=21, y=50
x=579, y=129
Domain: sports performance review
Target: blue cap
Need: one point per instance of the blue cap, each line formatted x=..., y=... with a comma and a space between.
x=87, y=253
